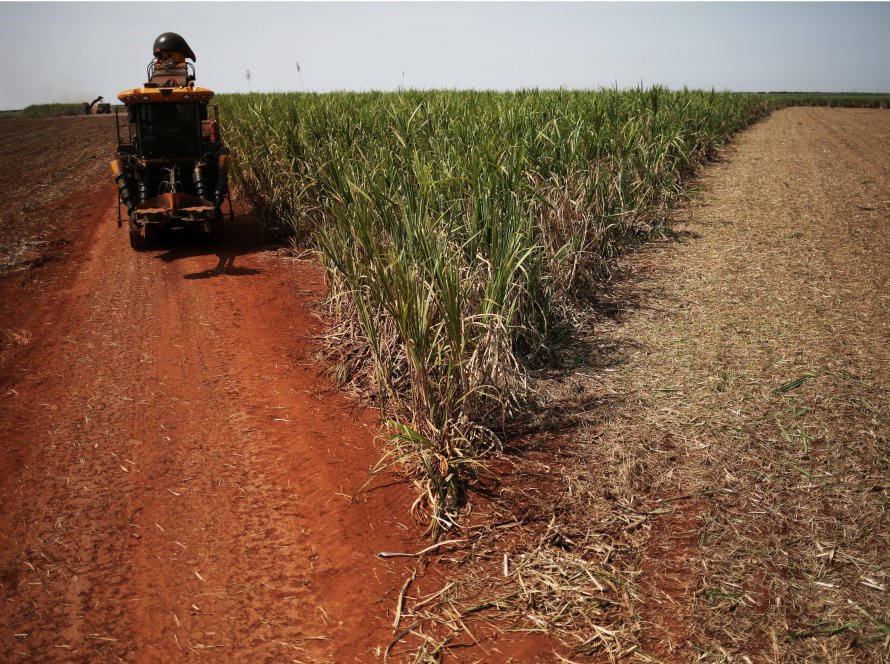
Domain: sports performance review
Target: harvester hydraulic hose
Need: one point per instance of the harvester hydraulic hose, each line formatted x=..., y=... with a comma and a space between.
x=124, y=184
x=202, y=177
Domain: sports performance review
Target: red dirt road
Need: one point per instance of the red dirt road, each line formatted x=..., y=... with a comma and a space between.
x=175, y=478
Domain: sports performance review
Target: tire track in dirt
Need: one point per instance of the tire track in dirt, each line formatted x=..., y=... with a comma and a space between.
x=176, y=479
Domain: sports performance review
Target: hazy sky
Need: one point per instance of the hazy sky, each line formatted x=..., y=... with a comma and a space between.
x=76, y=51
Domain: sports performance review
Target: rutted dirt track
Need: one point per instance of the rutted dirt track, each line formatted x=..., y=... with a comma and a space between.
x=175, y=478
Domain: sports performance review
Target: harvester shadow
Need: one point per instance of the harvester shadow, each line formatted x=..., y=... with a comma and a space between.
x=225, y=266
x=244, y=236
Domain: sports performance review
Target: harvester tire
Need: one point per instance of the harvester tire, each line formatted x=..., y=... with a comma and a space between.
x=138, y=241
x=216, y=234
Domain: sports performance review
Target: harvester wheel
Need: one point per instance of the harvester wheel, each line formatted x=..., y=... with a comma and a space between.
x=138, y=241
x=142, y=237
x=217, y=230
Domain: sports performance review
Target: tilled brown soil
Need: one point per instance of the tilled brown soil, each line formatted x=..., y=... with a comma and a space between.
x=46, y=165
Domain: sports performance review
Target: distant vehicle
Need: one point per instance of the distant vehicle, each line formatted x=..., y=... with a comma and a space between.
x=100, y=108
x=171, y=166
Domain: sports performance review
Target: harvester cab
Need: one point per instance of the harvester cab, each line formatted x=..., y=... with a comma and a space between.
x=171, y=167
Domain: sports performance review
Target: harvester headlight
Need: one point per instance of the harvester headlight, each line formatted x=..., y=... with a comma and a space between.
x=185, y=96
x=144, y=97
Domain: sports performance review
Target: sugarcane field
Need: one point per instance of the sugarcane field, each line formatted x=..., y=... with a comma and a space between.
x=444, y=370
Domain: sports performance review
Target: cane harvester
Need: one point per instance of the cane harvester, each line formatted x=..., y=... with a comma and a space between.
x=171, y=167
x=96, y=107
